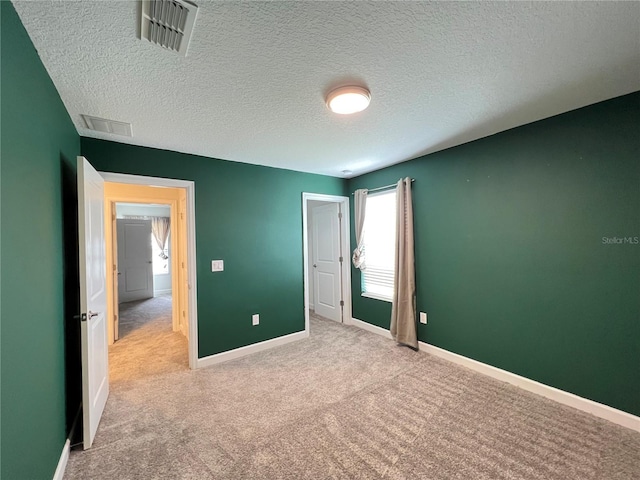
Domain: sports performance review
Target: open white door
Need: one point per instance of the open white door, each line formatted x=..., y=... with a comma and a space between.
x=93, y=298
x=326, y=258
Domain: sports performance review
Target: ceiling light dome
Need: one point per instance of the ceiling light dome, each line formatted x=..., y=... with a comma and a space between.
x=346, y=100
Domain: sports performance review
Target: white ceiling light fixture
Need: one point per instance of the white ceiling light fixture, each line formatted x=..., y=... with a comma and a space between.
x=347, y=100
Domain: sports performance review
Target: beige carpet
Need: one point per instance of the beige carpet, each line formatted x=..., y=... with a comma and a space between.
x=344, y=404
x=147, y=345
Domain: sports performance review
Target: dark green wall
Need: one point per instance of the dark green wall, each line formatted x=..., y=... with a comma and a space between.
x=510, y=262
x=39, y=146
x=250, y=217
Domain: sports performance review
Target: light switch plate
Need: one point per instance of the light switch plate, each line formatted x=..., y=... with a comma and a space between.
x=255, y=319
x=217, y=265
x=423, y=317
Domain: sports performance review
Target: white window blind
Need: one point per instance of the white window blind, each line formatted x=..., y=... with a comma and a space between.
x=379, y=245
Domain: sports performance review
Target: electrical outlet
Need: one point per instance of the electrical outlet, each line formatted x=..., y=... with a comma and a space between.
x=423, y=317
x=255, y=319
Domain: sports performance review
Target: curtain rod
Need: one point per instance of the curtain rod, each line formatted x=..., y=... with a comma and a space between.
x=383, y=188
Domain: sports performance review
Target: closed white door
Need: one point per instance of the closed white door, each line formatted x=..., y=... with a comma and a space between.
x=93, y=298
x=326, y=261
x=135, y=264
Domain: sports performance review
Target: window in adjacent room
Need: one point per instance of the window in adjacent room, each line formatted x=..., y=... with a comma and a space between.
x=160, y=264
x=379, y=245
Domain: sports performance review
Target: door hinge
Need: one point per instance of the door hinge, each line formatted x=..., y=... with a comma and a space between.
x=341, y=259
x=82, y=317
x=340, y=215
x=342, y=303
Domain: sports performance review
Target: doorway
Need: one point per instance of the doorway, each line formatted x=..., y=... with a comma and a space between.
x=98, y=273
x=173, y=275
x=326, y=246
x=143, y=256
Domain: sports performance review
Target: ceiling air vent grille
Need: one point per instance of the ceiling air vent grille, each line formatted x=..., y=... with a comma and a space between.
x=108, y=126
x=168, y=23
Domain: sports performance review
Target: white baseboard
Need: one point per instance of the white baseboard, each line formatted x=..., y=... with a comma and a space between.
x=312, y=306
x=62, y=463
x=249, y=349
x=161, y=292
x=371, y=328
x=598, y=409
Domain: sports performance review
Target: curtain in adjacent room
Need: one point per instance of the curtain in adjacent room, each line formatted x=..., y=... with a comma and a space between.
x=403, y=310
x=360, y=197
x=160, y=229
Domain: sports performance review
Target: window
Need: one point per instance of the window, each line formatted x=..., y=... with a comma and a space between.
x=379, y=245
x=160, y=265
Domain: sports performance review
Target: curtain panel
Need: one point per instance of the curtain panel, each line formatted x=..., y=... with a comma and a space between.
x=360, y=197
x=160, y=228
x=403, y=310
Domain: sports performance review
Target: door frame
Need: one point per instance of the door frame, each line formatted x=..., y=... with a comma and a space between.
x=189, y=187
x=138, y=194
x=345, y=245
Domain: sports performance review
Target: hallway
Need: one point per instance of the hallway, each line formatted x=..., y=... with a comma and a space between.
x=147, y=344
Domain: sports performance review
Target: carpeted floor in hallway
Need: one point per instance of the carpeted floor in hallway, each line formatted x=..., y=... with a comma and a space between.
x=343, y=404
x=147, y=344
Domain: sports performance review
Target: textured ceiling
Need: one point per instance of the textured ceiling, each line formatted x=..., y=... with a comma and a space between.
x=253, y=84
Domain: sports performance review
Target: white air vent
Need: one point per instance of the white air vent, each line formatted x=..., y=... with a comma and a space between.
x=108, y=126
x=168, y=23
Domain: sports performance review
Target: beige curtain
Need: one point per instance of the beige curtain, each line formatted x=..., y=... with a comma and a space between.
x=403, y=311
x=160, y=229
x=360, y=197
